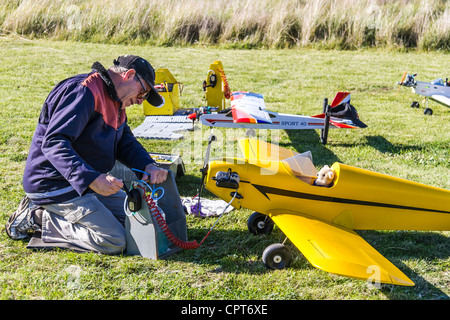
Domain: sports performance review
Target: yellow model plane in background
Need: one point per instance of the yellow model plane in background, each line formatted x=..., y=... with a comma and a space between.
x=278, y=184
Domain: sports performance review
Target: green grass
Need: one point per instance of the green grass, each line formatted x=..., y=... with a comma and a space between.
x=399, y=141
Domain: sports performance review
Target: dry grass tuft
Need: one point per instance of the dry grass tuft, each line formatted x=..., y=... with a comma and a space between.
x=337, y=24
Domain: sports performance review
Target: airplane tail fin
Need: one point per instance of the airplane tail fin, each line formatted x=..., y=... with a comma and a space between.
x=341, y=97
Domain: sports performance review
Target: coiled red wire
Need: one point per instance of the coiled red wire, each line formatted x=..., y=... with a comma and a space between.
x=156, y=213
x=227, y=92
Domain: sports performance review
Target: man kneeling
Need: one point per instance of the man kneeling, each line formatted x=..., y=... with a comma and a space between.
x=82, y=130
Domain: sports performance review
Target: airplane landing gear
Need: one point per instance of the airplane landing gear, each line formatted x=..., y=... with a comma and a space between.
x=415, y=104
x=259, y=223
x=427, y=111
x=277, y=256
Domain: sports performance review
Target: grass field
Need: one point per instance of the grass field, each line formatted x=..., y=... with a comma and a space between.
x=399, y=141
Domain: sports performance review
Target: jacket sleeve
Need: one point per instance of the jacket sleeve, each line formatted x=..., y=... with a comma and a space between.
x=68, y=119
x=130, y=151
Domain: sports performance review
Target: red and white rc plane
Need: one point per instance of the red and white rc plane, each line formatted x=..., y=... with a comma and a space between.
x=248, y=111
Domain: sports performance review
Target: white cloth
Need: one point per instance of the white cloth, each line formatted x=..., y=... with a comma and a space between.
x=208, y=208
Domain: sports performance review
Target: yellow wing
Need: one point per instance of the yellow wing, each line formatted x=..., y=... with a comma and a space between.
x=338, y=250
x=253, y=149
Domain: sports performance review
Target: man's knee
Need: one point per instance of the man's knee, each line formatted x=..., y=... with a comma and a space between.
x=88, y=223
x=111, y=244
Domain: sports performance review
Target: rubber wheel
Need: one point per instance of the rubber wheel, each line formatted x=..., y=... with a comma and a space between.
x=415, y=104
x=277, y=256
x=259, y=223
x=428, y=111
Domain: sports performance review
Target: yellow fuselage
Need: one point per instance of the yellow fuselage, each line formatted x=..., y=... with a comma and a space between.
x=359, y=199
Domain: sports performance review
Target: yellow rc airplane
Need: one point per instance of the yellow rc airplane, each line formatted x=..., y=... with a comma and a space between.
x=278, y=184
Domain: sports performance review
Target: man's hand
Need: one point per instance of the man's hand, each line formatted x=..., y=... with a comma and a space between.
x=157, y=175
x=106, y=185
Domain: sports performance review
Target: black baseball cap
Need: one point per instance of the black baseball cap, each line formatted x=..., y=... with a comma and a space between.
x=145, y=70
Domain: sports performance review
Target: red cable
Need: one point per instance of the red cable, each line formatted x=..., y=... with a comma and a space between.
x=227, y=92
x=154, y=210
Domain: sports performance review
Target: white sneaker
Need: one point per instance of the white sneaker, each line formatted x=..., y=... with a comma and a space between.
x=22, y=221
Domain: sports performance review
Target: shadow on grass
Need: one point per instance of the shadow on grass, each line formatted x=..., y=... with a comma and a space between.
x=309, y=140
x=238, y=252
x=411, y=245
x=384, y=146
x=233, y=251
x=189, y=185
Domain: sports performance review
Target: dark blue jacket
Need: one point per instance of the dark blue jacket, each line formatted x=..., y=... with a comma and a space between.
x=82, y=131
